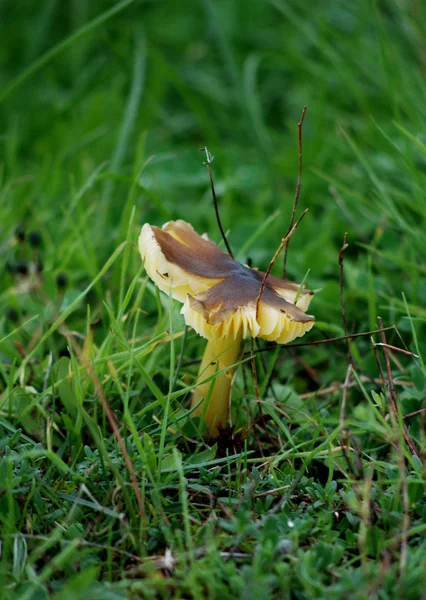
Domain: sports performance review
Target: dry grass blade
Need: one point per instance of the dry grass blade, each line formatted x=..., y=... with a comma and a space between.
x=112, y=420
x=207, y=163
x=396, y=349
x=400, y=454
x=274, y=258
x=320, y=342
x=342, y=304
x=392, y=393
x=297, y=193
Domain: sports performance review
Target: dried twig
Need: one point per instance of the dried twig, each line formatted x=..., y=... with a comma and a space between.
x=109, y=413
x=415, y=413
x=274, y=258
x=117, y=434
x=208, y=162
x=302, y=344
x=271, y=492
x=400, y=454
x=297, y=193
x=392, y=393
x=396, y=349
x=326, y=341
x=342, y=304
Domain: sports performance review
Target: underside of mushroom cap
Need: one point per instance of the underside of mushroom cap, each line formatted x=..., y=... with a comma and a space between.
x=220, y=294
x=229, y=308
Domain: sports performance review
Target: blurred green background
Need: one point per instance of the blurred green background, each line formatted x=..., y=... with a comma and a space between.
x=103, y=107
x=130, y=102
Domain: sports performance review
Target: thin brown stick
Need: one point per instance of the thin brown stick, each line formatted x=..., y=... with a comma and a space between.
x=274, y=258
x=207, y=163
x=109, y=413
x=117, y=434
x=271, y=492
x=415, y=413
x=302, y=344
x=401, y=460
x=327, y=341
x=392, y=393
x=342, y=304
x=297, y=192
x=396, y=349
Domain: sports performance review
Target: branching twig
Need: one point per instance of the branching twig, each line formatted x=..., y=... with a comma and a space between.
x=274, y=258
x=208, y=162
x=297, y=193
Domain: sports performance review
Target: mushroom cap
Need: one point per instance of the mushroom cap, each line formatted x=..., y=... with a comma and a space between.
x=219, y=294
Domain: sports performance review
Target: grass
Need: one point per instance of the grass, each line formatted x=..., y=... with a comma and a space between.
x=107, y=488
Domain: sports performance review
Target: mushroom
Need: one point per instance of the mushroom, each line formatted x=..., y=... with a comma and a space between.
x=220, y=302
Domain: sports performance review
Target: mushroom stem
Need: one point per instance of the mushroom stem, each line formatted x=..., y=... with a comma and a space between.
x=218, y=355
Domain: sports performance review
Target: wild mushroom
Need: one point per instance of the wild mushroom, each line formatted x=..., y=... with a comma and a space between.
x=220, y=302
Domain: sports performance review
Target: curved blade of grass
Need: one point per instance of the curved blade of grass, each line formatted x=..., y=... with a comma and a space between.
x=64, y=45
x=12, y=333
x=64, y=316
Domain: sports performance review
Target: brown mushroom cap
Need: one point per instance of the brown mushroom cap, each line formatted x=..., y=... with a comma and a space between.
x=219, y=293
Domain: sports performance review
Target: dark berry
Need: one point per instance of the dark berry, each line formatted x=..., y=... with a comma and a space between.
x=12, y=315
x=61, y=280
x=20, y=234
x=34, y=239
x=21, y=268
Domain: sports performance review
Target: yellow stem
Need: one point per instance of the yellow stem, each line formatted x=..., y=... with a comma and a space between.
x=218, y=355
